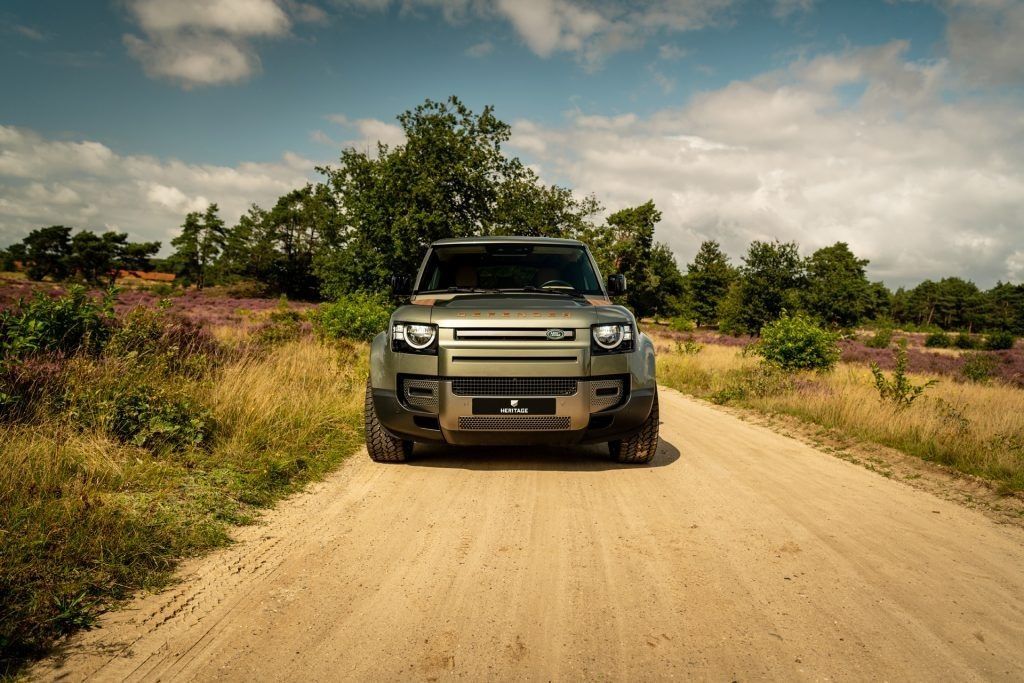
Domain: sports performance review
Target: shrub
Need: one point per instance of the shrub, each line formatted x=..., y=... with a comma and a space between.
x=964, y=341
x=65, y=324
x=899, y=390
x=797, y=343
x=680, y=324
x=283, y=325
x=689, y=347
x=978, y=367
x=938, y=340
x=353, y=316
x=881, y=339
x=1000, y=340
x=156, y=418
x=759, y=381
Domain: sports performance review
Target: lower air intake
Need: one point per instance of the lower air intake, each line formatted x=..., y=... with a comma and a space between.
x=517, y=423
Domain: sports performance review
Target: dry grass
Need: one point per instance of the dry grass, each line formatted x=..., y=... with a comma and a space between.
x=85, y=519
x=974, y=428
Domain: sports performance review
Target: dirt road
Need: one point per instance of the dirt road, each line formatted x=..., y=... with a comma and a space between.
x=739, y=554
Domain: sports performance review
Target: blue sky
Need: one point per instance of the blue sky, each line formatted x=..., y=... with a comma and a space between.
x=812, y=120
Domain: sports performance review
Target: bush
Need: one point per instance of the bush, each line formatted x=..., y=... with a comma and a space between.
x=938, y=340
x=65, y=324
x=1000, y=340
x=797, y=343
x=680, y=324
x=964, y=341
x=689, y=347
x=899, y=390
x=156, y=418
x=978, y=367
x=759, y=381
x=353, y=316
x=881, y=339
x=282, y=325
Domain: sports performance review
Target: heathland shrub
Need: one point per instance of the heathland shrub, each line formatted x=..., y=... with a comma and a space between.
x=353, y=316
x=881, y=339
x=938, y=340
x=65, y=324
x=156, y=417
x=758, y=381
x=680, y=324
x=1000, y=340
x=964, y=341
x=899, y=390
x=284, y=324
x=797, y=343
x=978, y=367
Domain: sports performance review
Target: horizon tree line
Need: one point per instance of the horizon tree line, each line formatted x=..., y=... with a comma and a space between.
x=374, y=214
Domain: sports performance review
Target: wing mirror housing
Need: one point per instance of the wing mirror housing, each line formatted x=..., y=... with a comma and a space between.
x=616, y=284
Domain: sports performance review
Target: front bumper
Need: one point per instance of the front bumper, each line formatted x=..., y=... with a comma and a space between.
x=578, y=418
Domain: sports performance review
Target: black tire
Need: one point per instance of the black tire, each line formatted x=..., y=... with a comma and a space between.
x=641, y=447
x=381, y=446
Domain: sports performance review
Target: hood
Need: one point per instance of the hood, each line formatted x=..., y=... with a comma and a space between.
x=519, y=310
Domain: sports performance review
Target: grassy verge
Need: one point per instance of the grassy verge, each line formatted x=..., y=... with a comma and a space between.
x=131, y=461
x=974, y=428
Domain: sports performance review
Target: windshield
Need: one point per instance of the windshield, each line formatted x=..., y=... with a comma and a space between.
x=509, y=266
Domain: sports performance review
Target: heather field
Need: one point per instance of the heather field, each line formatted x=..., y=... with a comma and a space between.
x=1006, y=366
x=975, y=427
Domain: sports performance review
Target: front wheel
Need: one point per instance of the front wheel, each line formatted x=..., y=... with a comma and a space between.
x=381, y=446
x=640, y=447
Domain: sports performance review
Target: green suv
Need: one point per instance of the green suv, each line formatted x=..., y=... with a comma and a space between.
x=512, y=341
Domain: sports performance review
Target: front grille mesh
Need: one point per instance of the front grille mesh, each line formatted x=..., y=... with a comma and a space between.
x=601, y=398
x=415, y=393
x=519, y=423
x=513, y=386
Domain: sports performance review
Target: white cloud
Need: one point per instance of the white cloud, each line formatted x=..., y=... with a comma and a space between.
x=986, y=40
x=87, y=185
x=921, y=184
x=784, y=8
x=481, y=49
x=199, y=42
x=370, y=132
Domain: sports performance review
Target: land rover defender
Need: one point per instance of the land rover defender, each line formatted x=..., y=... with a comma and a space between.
x=512, y=341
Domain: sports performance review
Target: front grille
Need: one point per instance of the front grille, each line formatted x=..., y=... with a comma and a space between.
x=522, y=423
x=421, y=394
x=605, y=393
x=514, y=386
x=540, y=334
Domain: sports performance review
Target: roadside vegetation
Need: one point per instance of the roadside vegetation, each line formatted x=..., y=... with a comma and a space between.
x=975, y=427
x=131, y=440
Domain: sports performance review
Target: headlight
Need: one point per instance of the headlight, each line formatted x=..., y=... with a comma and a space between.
x=414, y=338
x=612, y=338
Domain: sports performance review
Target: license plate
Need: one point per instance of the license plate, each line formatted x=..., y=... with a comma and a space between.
x=513, y=406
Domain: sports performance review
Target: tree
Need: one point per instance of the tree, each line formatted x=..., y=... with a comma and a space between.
x=1006, y=307
x=450, y=178
x=770, y=278
x=878, y=302
x=93, y=257
x=201, y=240
x=631, y=233
x=708, y=278
x=47, y=251
x=837, y=288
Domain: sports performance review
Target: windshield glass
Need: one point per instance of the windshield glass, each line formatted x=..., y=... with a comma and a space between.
x=509, y=266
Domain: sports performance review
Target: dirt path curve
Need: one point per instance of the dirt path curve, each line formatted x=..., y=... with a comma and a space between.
x=740, y=554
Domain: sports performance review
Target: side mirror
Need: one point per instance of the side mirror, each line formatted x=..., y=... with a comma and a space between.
x=616, y=284
x=401, y=285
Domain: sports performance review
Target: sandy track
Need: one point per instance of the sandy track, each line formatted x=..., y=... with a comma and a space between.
x=739, y=554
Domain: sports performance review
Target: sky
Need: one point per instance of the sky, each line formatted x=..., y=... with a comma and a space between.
x=896, y=126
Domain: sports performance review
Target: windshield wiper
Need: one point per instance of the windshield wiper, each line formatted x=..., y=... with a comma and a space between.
x=459, y=290
x=561, y=291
